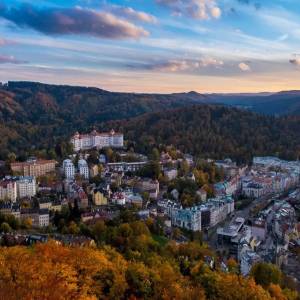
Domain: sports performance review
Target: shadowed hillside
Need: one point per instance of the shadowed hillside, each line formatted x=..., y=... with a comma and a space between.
x=216, y=131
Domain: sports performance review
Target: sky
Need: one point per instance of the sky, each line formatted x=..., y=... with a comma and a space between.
x=153, y=46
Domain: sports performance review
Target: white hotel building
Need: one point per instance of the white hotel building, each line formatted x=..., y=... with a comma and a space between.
x=97, y=140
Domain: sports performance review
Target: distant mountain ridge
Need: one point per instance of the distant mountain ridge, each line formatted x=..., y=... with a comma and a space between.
x=280, y=103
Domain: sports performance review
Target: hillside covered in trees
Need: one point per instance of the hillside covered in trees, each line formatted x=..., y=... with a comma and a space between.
x=30, y=111
x=39, y=117
x=215, y=131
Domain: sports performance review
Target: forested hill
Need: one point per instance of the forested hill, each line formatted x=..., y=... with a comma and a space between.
x=36, y=115
x=216, y=131
x=40, y=116
x=37, y=101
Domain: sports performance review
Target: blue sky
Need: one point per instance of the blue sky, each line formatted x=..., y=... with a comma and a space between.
x=153, y=45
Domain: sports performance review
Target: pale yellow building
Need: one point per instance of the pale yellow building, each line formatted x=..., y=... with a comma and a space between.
x=33, y=167
x=98, y=198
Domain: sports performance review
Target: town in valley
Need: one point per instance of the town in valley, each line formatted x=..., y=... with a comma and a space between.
x=248, y=212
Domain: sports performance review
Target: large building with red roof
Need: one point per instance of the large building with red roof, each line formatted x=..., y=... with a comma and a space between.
x=97, y=140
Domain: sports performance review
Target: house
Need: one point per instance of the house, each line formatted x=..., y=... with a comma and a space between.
x=118, y=198
x=94, y=171
x=76, y=192
x=98, y=197
x=102, y=159
x=202, y=194
x=6, y=207
x=56, y=205
x=126, y=166
x=175, y=194
x=253, y=190
x=170, y=173
x=135, y=199
x=228, y=187
x=74, y=240
x=116, y=178
x=83, y=199
x=150, y=186
x=189, y=159
x=187, y=218
x=143, y=214
x=99, y=215
x=39, y=217
x=15, y=210
x=45, y=203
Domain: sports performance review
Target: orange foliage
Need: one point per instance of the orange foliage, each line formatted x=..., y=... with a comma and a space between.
x=54, y=272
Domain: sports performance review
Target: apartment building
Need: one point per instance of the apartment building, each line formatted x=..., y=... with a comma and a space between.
x=33, y=167
x=69, y=169
x=198, y=217
x=39, y=217
x=26, y=186
x=8, y=190
x=83, y=168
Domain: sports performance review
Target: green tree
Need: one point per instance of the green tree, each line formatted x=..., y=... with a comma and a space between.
x=73, y=228
x=5, y=227
x=265, y=274
x=155, y=155
x=184, y=168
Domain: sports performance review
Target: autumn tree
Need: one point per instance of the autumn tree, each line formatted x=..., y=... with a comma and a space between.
x=265, y=274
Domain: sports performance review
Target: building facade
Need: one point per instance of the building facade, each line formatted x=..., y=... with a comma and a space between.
x=26, y=186
x=33, y=167
x=69, y=169
x=83, y=168
x=8, y=190
x=202, y=216
x=38, y=217
x=97, y=140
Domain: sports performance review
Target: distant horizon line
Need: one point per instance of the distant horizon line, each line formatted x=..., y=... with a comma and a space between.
x=262, y=93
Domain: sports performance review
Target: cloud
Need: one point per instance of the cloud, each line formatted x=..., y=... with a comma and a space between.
x=82, y=21
x=186, y=65
x=5, y=42
x=244, y=67
x=197, y=9
x=131, y=14
x=10, y=60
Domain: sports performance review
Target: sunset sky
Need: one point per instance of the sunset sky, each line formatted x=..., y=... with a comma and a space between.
x=153, y=45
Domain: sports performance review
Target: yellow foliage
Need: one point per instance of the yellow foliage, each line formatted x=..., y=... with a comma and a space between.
x=54, y=272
